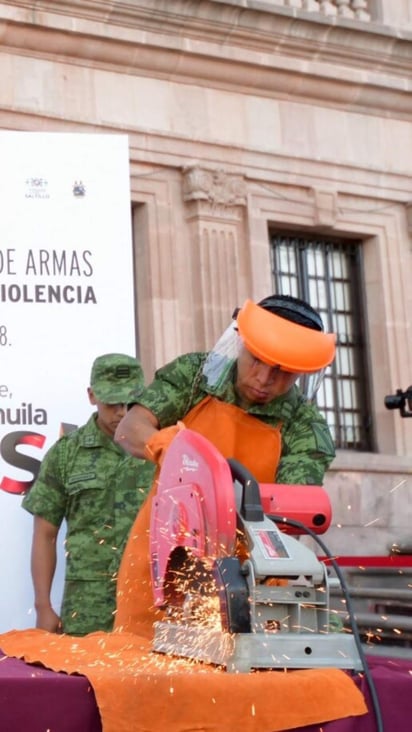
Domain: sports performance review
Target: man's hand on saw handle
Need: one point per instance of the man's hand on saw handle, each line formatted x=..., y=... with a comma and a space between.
x=138, y=433
x=156, y=447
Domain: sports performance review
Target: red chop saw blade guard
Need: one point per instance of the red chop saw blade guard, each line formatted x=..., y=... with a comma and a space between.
x=195, y=508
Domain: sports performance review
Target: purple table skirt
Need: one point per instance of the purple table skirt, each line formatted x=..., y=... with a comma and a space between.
x=33, y=699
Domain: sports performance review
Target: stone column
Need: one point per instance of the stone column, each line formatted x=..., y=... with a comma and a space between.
x=215, y=213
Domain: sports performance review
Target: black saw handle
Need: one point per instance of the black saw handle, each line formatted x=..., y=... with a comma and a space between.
x=251, y=505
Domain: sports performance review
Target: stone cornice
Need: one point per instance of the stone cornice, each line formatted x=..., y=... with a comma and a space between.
x=257, y=28
x=265, y=169
x=361, y=67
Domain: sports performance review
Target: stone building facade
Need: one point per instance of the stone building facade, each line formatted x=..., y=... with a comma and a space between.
x=245, y=118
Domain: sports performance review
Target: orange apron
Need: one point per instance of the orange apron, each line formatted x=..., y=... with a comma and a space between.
x=235, y=434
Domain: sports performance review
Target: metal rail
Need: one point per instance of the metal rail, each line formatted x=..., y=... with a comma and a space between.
x=385, y=622
x=381, y=612
x=376, y=593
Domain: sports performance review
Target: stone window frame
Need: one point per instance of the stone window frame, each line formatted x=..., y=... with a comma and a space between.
x=327, y=272
x=382, y=226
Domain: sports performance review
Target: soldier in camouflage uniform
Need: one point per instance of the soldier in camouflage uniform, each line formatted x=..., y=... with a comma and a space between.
x=262, y=389
x=243, y=397
x=88, y=480
x=307, y=447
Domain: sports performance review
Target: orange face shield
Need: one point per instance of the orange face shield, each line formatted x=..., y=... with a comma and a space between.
x=280, y=342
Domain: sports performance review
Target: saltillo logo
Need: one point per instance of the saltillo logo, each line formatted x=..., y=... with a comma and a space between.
x=37, y=188
x=21, y=416
x=10, y=454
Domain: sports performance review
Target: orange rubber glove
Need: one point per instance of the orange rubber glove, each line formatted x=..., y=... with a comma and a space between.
x=155, y=448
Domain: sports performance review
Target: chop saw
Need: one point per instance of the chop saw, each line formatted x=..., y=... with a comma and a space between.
x=237, y=590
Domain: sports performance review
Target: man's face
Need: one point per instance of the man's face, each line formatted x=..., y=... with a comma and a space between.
x=108, y=415
x=259, y=383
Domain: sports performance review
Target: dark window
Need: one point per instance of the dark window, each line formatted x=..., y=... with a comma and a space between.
x=327, y=273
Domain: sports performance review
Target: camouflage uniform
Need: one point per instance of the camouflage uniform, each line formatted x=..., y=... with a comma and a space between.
x=307, y=446
x=91, y=482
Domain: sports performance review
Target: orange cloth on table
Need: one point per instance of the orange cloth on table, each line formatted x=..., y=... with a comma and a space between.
x=235, y=434
x=138, y=690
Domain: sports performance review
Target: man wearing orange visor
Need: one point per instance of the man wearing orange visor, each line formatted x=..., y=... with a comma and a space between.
x=243, y=397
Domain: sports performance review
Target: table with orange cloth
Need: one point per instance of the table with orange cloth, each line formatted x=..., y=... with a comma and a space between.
x=175, y=695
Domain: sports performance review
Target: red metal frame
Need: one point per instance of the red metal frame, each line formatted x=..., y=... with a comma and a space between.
x=396, y=560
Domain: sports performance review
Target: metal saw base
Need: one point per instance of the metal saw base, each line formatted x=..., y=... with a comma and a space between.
x=241, y=652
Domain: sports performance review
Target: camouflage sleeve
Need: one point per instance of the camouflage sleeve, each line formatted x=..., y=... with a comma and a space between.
x=307, y=448
x=145, y=474
x=46, y=497
x=170, y=393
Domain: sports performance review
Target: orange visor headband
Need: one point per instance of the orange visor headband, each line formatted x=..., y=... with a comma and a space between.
x=280, y=342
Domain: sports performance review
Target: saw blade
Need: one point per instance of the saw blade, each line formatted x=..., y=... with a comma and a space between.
x=190, y=589
x=210, y=593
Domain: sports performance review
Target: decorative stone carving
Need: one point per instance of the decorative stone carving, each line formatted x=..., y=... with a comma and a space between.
x=312, y=6
x=344, y=10
x=215, y=186
x=361, y=9
x=328, y=8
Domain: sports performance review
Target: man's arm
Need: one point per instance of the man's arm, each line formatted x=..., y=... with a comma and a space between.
x=164, y=402
x=43, y=566
x=307, y=448
x=135, y=430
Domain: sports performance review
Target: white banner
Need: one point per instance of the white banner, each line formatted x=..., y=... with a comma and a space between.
x=66, y=296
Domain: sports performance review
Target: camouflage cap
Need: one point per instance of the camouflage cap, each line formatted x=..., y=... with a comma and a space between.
x=116, y=378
